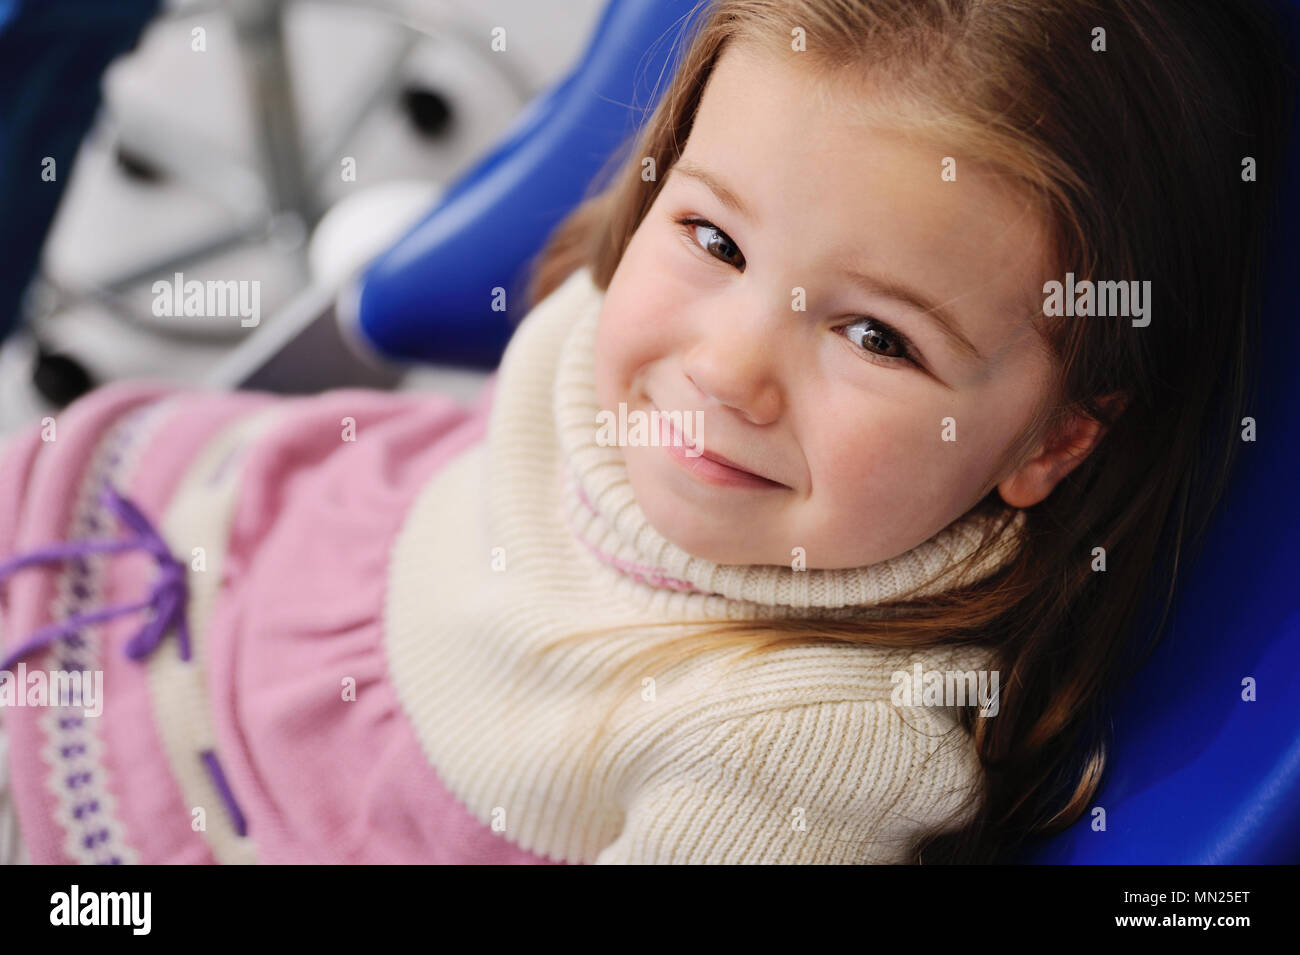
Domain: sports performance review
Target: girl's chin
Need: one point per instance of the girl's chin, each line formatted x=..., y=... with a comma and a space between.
x=705, y=547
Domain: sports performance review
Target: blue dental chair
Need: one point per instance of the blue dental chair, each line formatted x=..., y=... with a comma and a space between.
x=1197, y=775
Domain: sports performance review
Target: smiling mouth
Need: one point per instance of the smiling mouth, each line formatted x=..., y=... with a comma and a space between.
x=707, y=466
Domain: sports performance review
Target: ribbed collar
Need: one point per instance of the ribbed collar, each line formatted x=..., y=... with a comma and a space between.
x=606, y=518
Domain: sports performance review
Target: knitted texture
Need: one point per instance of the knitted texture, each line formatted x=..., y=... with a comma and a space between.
x=799, y=755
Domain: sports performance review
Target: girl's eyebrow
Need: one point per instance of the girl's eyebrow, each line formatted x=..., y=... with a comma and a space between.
x=728, y=198
x=868, y=283
x=901, y=293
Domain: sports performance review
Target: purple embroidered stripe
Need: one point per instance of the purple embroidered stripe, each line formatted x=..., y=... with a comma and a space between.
x=219, y=780
x=85, y=810
x=167, y=599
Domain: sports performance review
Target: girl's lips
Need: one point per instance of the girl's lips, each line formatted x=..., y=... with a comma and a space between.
x=707, y=466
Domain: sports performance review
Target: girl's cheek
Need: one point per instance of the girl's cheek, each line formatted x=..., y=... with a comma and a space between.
x=608, y=360
x=623, y=350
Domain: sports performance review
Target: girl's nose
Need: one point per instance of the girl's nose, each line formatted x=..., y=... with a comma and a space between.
x=737, y=362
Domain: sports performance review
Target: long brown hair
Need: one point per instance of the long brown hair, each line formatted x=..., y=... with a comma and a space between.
x=1136, y=153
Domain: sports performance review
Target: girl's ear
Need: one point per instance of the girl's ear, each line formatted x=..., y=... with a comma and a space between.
x=1052, y=461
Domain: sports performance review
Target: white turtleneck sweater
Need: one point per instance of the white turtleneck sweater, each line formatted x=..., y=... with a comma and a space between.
x=797, y=756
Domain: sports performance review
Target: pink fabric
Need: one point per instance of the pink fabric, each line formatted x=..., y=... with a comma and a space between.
x=318, y=779
x=39, y=484
x=148, y=801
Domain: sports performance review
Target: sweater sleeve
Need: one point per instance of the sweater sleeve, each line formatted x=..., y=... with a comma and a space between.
x=844, y=782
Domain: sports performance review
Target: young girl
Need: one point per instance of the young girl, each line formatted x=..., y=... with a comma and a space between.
x=371, y=627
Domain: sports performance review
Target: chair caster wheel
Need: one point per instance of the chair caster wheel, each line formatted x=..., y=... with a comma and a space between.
x=59, y=378
x=427, y=110
x=136, y=167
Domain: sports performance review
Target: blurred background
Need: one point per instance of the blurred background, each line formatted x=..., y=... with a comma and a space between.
x=281, y=143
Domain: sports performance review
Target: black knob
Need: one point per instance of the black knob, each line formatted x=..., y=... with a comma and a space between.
x=136, y=166
x=427, y=110
x=60, y=378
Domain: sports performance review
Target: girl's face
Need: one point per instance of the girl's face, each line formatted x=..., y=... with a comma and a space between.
x=918, y=295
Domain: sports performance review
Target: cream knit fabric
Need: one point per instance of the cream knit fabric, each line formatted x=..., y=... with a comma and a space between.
x=799, y=756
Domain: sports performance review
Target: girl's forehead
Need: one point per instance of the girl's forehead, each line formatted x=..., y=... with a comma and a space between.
x=791, y=163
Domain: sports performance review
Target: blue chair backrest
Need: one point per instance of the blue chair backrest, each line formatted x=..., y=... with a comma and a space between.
x=1196, y=774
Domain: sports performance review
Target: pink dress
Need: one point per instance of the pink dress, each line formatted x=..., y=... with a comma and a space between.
x=290, y=716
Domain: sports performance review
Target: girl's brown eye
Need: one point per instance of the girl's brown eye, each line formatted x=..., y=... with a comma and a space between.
x=714, y=241
x=878, y=339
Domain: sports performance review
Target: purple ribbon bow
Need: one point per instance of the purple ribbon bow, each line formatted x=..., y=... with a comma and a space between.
x=167, y=597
